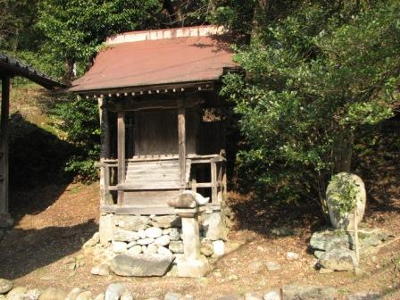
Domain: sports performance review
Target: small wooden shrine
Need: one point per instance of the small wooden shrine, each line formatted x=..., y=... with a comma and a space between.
x=162, y=130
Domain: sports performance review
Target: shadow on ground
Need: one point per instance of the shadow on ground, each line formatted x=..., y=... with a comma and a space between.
x=37, y=161
x=39, y=248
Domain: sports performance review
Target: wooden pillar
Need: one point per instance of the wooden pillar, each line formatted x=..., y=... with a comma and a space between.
x=214, y=186
x=5, y=110
x=121, y=154
x=105, y=196
x=182, y=143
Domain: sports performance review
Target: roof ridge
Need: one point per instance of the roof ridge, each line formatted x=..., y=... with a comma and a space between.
x=162, y=34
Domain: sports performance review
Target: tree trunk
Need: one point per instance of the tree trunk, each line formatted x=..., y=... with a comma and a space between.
x=259, y=16
x=70, y=70
x=343, y=151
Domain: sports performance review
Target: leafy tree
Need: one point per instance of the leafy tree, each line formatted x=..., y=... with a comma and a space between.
x=80, y=120
x=314, y=79
x=75, y=29
x=16, y=20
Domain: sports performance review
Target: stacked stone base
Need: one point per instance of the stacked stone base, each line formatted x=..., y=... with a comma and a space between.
x=159, y=235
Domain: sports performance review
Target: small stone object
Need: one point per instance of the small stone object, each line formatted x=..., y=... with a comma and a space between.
x=333, y=192
x=295, y=292
x=123, y=235
x=282, y=231
x=5, y=285
x=192, y=267
x=151, y=249
x=106, y=228
x=145, y=241
x=162, y=240
x=127, y=295
x=206, y=248
x=164, y=251
x=99, y=297
x=255, y=266
x=135, y=250
x=166, y=221
x=33, y=294
x=272, y=295
x=114, y=291
x=132, y=223
x=53, y=294
x=17, y=293
x=172, y=296
x=74, y=293
x=273, y=266
x=101, y=270
x=252, y=296
x=174, y=234
x=176, y=246
x=87, y=295
x=153, y=232
x=119, y=247
x=340, y=259
x=142, y=234
x=166, y=231
x=364, y=296
x=292, y=256
x=141, y=265
x=214, y=227
x=218, y=248
x=93, y=241
x=187, y=199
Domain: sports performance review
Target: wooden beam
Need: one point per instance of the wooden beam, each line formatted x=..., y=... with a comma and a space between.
x=164, y=88
x=131, y=105
x=5, y=111
x=182, y=142
x=138, y=210
x=121, y=154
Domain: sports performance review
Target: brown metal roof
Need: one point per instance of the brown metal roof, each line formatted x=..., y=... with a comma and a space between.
x=10, y=67
x=157, y=61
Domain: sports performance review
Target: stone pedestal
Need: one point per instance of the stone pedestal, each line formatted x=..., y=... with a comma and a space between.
x=193, y=264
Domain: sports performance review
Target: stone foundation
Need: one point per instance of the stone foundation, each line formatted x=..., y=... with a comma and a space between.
x=159, y=234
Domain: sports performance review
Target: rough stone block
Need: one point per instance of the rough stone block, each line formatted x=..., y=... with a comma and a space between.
x=193, y=267
x=166, y=221
x=141, y=265
x=106, y=228
x=176, y=246
x=214, y=227
x=123, y=235
x=294, y=292
x=133, y=223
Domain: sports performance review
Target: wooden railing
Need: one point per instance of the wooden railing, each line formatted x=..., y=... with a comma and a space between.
x=217, y=184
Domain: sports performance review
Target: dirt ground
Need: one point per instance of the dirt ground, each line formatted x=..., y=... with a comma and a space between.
x=44, y=249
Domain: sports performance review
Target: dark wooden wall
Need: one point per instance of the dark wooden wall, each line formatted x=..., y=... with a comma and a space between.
x=156, y=133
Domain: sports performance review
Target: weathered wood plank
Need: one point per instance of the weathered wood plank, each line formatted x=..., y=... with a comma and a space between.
x=150, y=198
x=138, y=210
x=121, y=154
x=195, y=158
x=148, y=186
x=147, y=210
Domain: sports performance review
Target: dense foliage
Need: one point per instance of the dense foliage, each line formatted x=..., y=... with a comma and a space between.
x=313, y=80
